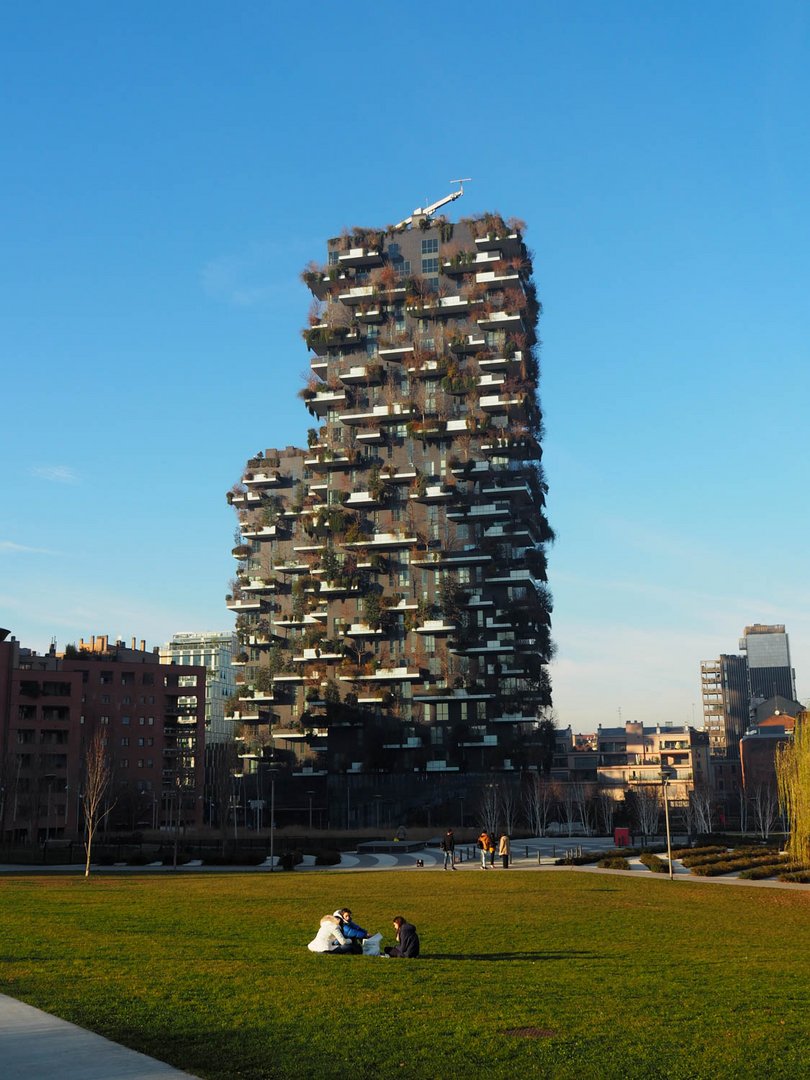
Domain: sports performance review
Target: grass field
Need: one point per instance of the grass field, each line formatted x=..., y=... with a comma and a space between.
x=620, y=977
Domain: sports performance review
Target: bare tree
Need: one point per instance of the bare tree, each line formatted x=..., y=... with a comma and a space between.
x=539, y=799
x=97, y=780
x=586, y=807
x=488, y=807
x=508, y=807
x=765, y=809
x=606, y=808
x=568, y=805
x=700, y=805
x=648, y=809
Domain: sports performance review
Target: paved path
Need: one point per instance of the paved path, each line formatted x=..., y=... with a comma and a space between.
x=35, y=1045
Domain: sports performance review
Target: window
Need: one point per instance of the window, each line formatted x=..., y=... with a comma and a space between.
x=148, y=679
x=333, y=258
x=125, y=720
x=430, y=266
x=125, y=740
x=430, y=246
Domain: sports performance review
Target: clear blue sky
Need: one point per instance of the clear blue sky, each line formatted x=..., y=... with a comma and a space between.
x=169, y=168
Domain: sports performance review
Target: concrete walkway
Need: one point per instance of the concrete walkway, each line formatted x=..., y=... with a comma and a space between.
x=35, y=1045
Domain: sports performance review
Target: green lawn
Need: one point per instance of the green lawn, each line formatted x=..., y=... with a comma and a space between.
x=624, y=977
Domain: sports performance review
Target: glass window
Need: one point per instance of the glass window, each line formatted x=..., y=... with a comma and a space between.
x=430, y=266
x=429, y=246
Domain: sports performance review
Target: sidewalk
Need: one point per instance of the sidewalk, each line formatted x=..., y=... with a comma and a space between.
x=34, y=1045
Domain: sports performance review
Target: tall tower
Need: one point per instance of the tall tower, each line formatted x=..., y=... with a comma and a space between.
x=767, y=650
x=724, y=689
x=391, y=597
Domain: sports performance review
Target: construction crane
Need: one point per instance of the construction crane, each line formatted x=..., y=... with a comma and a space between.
x=428, y=211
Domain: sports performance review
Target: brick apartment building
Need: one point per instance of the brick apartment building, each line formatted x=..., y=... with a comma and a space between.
x=153, y=719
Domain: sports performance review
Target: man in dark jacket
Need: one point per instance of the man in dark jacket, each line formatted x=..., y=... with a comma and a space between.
x=407, y=939
x=448, y=847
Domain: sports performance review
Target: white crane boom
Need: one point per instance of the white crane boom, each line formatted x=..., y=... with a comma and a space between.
x=429, y=211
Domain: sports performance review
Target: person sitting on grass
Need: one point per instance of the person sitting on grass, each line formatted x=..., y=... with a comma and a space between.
x=407, y=939
x=329, y=939
x=351, y=931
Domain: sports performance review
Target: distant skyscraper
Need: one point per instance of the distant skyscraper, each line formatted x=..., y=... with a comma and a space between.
x=767, y=650
x=214, y=651
x=724, y=688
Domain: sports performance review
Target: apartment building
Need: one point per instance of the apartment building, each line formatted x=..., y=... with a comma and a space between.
x=390, y=592
x=152, y=717
x=213, y=650
x=724, y=694
x=634, y=754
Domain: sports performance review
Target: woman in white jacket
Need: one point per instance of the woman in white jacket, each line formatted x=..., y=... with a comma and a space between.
x=329, y=938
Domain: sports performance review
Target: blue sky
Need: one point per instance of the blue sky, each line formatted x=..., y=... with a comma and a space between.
x=169, y=170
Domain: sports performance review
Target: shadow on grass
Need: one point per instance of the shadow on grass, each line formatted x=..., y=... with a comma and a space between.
x=569, y=954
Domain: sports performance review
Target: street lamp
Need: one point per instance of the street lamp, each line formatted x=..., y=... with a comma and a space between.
x=272, y=815
x=666, y=776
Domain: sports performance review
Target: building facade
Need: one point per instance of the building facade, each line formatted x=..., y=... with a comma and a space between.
x=213, y=650
x=767, y=652
x=391, y=598
x=724, y=692
x=152, y=718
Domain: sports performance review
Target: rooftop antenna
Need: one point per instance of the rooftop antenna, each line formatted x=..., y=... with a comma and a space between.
x=422, y=212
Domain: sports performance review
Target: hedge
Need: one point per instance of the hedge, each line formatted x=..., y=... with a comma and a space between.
x=653, y=863
x=616, y=862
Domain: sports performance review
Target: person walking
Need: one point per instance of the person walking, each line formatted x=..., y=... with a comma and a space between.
x=504, y=850
x=449, y=848
x=485, y=844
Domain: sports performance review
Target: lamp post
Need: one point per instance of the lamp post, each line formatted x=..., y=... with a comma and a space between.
x=666, y=775
x=310, y=794
x=272, y=816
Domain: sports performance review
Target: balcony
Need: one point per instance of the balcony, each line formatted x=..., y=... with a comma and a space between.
x=251, y=604
x=487, y=381
x=361, y=498
x=261, y=479
x=435, y=493
x=507, y=280
x=359, y=294
x=321, y=337
x=500, y=363
x=325, y=400
x=502, y=320
x=361, y=630
x=395, y=413
x=394, y=674
x=326, y=459
x=359, y=375
x=483, y=511
x=436, y=626
x=506, y=247
x=395, y=352
x=311, y=655
x=469, y=343
x=260, y=532
x=381, y=541
x=494, y=403
x=257, y=585
x=246, y=499
x=360, y=256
